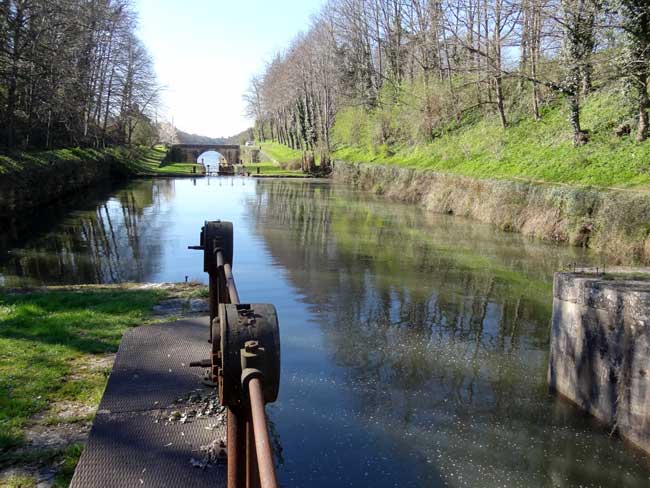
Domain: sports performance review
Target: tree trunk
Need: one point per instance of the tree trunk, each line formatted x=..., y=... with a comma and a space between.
x=535, y=42
x=587, y=70
x=498, y=77
x=499, y=94
x=12, y=94
x=574, y=118
x=644, y=105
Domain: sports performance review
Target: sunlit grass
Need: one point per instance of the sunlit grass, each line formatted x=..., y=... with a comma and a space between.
x=280, y=153
x=527, y=149
x=46, y=336
x=20, y=481
x=271, y=169
x=141, y=161
x=152, y=162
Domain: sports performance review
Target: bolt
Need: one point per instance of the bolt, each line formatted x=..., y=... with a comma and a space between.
x=251, y=346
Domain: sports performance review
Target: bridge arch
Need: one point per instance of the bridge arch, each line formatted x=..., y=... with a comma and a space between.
x=188, y=153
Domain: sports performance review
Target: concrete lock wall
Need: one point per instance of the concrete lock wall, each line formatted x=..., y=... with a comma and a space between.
x=600, y=349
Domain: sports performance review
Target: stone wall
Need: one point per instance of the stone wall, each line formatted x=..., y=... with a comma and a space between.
x=613, y=222
x=600, y=349
x=43, y=183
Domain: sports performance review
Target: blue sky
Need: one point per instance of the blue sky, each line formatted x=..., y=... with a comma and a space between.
x=205, y=51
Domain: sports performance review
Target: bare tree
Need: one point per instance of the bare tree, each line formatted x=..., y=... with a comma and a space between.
x=72, y=73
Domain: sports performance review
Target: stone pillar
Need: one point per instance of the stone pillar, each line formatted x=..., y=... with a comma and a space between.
x=600, y=348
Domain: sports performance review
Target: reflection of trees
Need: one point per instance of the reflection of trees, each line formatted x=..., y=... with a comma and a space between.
x=402, y=306
x=111, y=240
x=424, y=313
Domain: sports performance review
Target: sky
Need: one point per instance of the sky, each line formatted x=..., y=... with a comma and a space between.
x=206, y=51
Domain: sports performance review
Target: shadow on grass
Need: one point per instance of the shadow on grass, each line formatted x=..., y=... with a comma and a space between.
x=42, y=334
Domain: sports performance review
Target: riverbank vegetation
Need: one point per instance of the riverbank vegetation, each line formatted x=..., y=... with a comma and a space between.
x=542, y=89
x=612, y=223
x=272, y=159
x=24, y=166
x=56, y=351
x=32, y=178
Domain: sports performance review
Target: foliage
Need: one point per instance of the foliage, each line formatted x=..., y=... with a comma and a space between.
x=68, y=463
x=152, y=161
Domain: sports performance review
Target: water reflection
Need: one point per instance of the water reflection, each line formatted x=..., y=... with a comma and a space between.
x=438, y=330
x=109, y=238
x=414, y=346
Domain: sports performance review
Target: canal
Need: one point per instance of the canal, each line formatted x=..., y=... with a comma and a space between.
x=414, y=346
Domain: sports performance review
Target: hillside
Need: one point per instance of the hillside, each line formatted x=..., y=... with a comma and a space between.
x=239, y=138
x=188, y=138
x=533, y=150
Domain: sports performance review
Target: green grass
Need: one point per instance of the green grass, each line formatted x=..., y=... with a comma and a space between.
x=67, y=464
x=272, y=169
x=151, y=162
x=139, y=161
x=45, y=336
x=526, y=150
x=65, y=459
x=280, y=153
x=18, y=162
x=20, y=481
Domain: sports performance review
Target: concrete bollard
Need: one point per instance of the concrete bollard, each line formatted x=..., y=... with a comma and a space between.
x=600, y=348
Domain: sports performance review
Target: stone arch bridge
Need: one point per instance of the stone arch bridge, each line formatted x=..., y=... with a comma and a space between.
x=189, y=153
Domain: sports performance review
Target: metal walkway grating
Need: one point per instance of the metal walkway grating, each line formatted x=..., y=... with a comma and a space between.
x=133, y=442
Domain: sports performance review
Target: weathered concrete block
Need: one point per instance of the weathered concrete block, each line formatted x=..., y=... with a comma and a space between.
x=600, y=348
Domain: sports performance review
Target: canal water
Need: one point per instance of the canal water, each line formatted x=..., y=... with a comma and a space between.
x=414, y=347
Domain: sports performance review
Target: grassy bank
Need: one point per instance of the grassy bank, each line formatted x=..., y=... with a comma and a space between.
x=527, y=178
x=29, y=179
x=279, y=153
x=276, y=160
x=272, y=169
x=527, y=149
x=19, y=165
x=139, y=161
x=53, y=349
x=150, y=161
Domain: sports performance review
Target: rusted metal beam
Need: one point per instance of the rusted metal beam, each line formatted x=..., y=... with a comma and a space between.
x=252, y=470
x=229, y=279
x=236, y=448
x=245, y=363
x=262, y=440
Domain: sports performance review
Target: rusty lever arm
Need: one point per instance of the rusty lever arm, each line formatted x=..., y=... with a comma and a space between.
x=261, y=432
